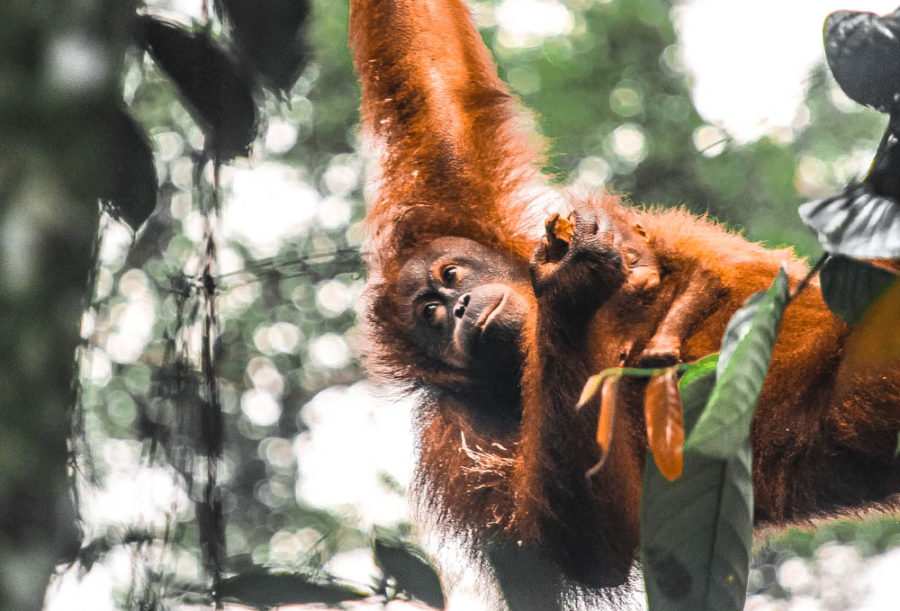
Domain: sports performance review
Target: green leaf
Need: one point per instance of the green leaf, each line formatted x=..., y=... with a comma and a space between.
x=858, y=223
x=849, y=286
x=743, y=364
x=263, y=589
x=526, y=578
x=697, y=369
x=696, y=532
x=409, y=568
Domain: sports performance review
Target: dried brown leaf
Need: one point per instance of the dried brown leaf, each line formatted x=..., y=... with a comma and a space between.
x=607, y=415
x=608, y=387
x=559, y=233
x=590, y=390
x=564, y=229
x=665, y=427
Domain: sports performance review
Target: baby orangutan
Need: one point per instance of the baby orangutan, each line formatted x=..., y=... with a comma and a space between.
x=694, y=296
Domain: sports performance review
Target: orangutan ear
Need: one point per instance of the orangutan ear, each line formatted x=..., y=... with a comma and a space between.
x=454, y=158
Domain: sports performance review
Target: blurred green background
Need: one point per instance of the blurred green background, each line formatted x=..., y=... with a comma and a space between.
x=613, y=98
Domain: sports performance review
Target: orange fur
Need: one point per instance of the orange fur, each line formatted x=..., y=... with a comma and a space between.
x=455, y=161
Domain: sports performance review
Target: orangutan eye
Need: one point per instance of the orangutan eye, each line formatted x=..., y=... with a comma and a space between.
x=429, y=311
x=449, y=275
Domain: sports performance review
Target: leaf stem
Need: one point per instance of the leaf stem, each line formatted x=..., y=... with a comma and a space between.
x=805, y=282
x=648, y=372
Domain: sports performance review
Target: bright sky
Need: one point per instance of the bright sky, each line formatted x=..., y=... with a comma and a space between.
x=750, y=60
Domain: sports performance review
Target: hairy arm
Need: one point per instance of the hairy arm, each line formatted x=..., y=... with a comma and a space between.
x=590, y=525
x=454, y=156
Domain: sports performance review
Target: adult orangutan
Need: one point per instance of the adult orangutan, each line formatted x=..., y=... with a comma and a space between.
x=497, y=329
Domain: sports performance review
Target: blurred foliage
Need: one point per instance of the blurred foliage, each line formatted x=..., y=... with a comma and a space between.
x=284, y=311
x=53, y=161
x=614, y=103
x=820, y=562
x=873, y=536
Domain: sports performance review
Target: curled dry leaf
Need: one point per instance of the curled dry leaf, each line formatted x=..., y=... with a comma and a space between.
x=607, y=415
x=608, y=387
x=590, y=390
x=560, y=229
x=664, y=421
x=558, y=234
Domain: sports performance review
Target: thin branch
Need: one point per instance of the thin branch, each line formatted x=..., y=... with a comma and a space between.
x=805, y=282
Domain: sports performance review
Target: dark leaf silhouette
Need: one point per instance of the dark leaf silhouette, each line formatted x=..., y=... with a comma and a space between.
x=409, y=569
x=213, y=86
x=263, y=589
x=271, y=36
x=863, y=52
x=129, y=180
x=883, y=176
x=849, y=286
x=863, y=221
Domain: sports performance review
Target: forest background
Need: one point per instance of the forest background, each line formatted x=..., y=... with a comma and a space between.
x=314, y=459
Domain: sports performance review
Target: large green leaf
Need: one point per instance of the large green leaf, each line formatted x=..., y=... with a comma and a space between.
x=696, y=532
x=849, y=286
x=724, y=426
x=697, y=369
x=858, y=222
x=526, y=578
